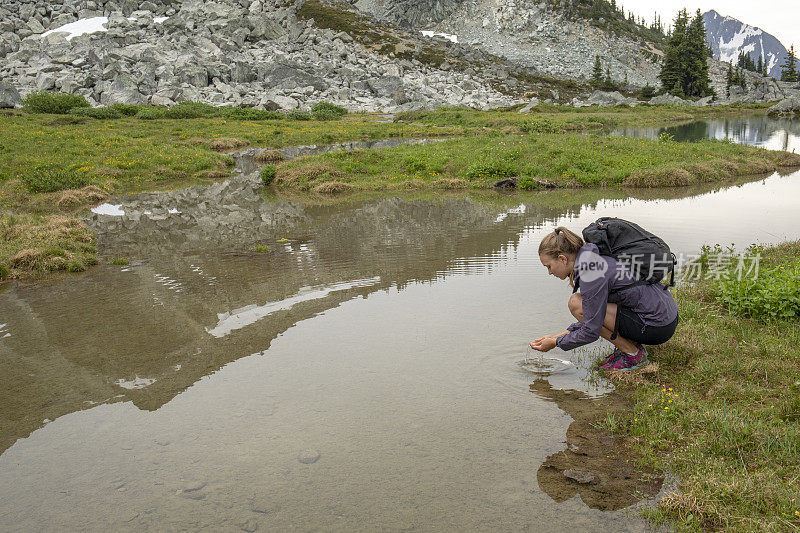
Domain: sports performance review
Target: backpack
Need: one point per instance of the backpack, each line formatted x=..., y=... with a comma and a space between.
x=647, y=256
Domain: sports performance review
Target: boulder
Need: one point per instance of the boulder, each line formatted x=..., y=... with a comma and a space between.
x=605, y=99
x=9, y=96
x=669, y=99
x=533, y=103
x=785, y=108
x=122, y=91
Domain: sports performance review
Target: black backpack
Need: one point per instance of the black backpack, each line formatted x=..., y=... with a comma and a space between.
x=647, y=256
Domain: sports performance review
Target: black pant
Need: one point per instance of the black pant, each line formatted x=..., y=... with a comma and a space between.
x=631, y=327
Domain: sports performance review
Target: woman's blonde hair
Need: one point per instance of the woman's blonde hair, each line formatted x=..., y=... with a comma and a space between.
x=561, y=241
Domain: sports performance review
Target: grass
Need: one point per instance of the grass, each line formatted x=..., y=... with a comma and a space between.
x=562, y=119
x=568, y=160
x=723, y=410
x=31, y=245
x=40, y=153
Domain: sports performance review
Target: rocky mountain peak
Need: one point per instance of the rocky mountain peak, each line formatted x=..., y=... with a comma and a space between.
x=728, y=37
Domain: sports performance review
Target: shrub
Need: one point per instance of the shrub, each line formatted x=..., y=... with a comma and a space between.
x=99, y=113
x=192, y=110
x=53, y=103
x=764, y=293
x=151, y=113
x=268, y=174
x=50, y=178
x=126, y=109
x=648, y=91
x=243, y=113
x=326, y=114
x=327, y=107
x=297, y=114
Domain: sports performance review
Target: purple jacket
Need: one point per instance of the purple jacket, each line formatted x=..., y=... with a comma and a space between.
x=598, y=276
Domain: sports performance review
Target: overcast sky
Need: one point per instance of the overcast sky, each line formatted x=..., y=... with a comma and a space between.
x=781, y=18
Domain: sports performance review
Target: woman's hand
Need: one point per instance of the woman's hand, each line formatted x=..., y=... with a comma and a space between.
x=544, y=344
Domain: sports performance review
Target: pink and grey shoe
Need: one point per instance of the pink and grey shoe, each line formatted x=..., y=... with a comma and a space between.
x=616, y=361
x=637, y=360
x=622, y=361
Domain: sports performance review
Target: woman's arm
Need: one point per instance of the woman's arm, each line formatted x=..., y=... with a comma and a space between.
x=548, y=342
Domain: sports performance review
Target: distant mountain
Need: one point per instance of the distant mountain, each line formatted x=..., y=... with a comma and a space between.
x=728, y=36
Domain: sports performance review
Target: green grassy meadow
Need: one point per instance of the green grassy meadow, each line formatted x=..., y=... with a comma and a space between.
x=722, y=411
x=61, y=164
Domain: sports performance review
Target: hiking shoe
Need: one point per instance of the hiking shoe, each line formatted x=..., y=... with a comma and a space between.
x=617, y=361
x=638, y=359
x=616, y=354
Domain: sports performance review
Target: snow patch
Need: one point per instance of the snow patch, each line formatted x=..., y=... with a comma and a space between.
x=448, y=36
x=730, y=50
x=89, y=25
x=109, y=209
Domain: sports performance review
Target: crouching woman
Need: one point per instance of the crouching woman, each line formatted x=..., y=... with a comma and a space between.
x=610, y=303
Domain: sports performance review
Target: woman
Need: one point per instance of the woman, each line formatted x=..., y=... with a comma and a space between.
x=610, y=303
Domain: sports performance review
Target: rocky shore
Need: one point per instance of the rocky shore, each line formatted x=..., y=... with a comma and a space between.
x=272, y=54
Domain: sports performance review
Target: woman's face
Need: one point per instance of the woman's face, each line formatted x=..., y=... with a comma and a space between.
x=560, y=266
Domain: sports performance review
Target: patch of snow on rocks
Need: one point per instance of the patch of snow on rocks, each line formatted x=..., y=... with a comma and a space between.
x=109, y=209
x=448, y=36
x=88, y=25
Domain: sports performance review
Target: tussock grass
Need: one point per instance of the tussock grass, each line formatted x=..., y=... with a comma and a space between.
x=269, y=156
x=224, y=144
x=723, y=413
x=560, y=159
x=31, y=245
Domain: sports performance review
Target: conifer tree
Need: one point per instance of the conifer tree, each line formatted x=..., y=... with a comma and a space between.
x=697, y=81
x=760, y=66
x=789, y=72
x=729, y=80
x=597, y=73
x=686, y=58
x=672, y=69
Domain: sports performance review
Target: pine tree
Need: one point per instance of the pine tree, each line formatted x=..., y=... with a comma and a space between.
x=760, y=66
x=672, y=71
x=696, y=81
x=597, y=73
x=729, y=80
x=789, y=72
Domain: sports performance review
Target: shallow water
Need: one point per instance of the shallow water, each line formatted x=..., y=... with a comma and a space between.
x=770, y=133
x=363, y=374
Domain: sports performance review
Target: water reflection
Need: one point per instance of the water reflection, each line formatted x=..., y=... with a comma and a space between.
x=362, y=373
x=773, y=134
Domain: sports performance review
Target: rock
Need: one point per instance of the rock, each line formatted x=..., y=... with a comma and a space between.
x=787, y=107
x=276, y=102
x=507, y=183
x=581, y=477
x=308, y=457
x=605, y=99
x=533, y=103
x=194, y=75
x=124, y=90
x=45, y=82
x=669, y=99
x=9, y=96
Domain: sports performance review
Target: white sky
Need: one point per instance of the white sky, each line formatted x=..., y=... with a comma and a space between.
x=781, y=18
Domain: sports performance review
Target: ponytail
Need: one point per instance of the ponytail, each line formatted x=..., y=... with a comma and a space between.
x=561, y=241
